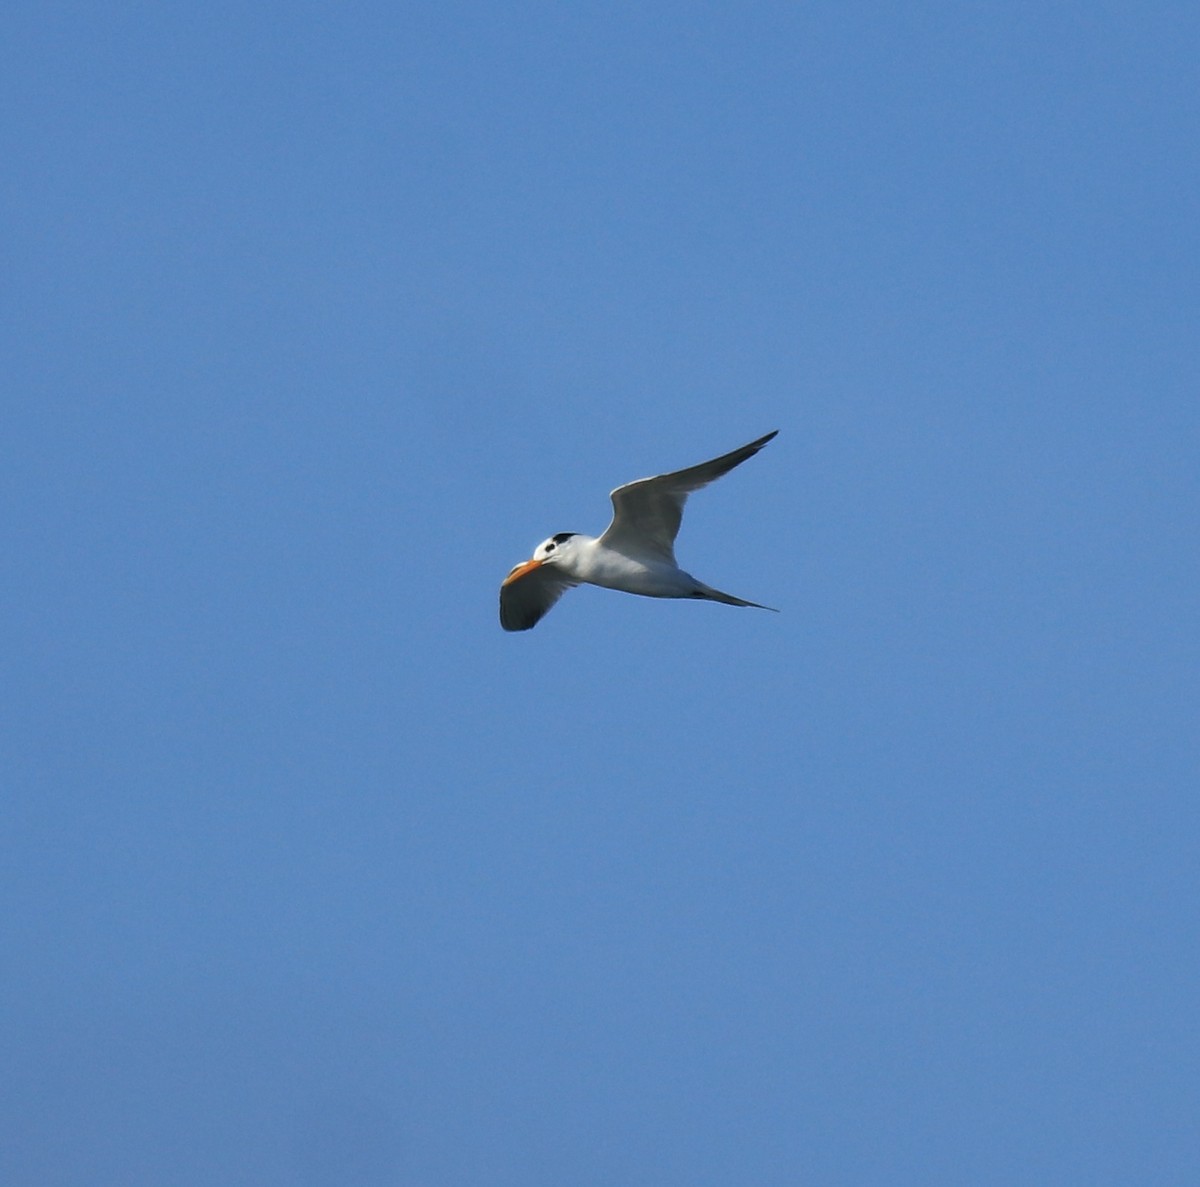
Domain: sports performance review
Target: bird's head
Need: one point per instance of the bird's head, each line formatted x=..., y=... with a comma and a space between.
x=549, y=552
x=555, y=549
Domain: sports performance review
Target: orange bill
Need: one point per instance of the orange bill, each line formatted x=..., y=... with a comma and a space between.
x=520, y=571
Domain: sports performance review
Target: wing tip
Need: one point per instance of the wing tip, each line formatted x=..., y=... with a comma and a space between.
x=528, y=594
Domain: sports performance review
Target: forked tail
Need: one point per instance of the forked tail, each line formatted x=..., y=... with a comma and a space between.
x=715, y=595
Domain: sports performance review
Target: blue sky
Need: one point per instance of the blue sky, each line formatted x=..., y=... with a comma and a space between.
x=316, y=319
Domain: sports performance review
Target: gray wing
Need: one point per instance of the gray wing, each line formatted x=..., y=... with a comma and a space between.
x=647, y=513
x=528, y=593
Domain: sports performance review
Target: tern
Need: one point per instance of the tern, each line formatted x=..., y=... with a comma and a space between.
x=636, y=553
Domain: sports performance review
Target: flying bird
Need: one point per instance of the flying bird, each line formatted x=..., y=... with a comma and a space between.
x=636, y=554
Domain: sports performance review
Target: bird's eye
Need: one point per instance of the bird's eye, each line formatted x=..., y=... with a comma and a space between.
x=550, y=546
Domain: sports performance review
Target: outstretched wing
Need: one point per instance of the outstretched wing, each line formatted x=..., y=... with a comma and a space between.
x=647, y=513
x=528, y=593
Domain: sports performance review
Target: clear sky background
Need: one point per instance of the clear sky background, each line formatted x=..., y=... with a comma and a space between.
x=317, y=318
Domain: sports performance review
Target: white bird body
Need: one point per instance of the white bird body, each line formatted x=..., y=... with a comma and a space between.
x=591, y=563
x=636, y=553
